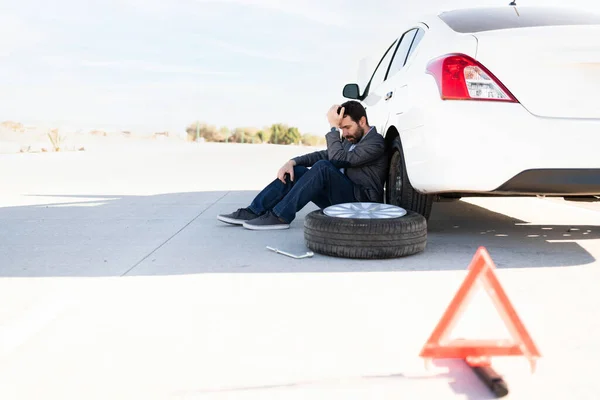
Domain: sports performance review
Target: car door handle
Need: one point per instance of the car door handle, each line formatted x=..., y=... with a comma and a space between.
x=389, y=96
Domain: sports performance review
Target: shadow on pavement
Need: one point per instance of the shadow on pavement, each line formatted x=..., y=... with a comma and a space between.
x=460, y=378
x=178, y=233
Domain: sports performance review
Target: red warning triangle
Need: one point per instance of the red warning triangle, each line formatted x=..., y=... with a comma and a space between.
x=437, y=346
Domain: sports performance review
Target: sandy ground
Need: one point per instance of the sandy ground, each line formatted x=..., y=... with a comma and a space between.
x=117, y=281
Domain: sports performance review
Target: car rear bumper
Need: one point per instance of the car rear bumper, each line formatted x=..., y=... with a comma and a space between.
x=554, y=181
x=486, y=147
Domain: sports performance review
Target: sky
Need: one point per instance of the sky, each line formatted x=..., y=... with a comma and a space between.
x=153, y=66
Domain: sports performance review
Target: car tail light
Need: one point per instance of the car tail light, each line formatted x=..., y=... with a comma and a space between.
x=460, y=77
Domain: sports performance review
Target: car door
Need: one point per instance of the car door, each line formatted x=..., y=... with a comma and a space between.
x=392, y=90
x=374, y=99
x=398, y=78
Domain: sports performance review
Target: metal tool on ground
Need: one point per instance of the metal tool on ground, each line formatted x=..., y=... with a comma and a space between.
x=489, y=377
x=306, y=255
x=477, y=353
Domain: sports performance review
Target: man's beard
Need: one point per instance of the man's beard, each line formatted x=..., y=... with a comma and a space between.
x=358, y=135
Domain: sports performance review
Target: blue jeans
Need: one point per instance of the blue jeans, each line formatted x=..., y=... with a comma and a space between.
x=323, y=184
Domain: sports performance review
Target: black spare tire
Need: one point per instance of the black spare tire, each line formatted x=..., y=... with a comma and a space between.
x=365, y=231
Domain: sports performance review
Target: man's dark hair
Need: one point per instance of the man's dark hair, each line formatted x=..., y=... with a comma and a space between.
x=354, y=110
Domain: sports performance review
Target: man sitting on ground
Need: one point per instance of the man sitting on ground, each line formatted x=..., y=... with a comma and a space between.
x=352, y=169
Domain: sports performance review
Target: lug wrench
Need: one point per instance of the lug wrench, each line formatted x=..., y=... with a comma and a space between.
x=308, y=254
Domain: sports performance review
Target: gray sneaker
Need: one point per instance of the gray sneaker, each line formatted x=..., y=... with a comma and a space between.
x=266, y=222
x=237, y=217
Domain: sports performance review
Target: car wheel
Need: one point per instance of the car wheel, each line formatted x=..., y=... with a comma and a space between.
x=365, y=231
x=399, y=191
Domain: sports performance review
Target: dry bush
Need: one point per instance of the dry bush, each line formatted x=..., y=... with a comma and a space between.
x=210, y=133
x=56, y=139
x=313, y=140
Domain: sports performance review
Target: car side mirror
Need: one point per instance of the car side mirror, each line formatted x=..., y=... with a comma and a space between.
x=351, y=91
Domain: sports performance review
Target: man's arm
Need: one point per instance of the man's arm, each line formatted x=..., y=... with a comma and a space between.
x=308, y=160
x=364, y=153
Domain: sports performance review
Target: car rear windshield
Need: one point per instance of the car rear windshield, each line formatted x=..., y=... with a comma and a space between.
x=509, y=17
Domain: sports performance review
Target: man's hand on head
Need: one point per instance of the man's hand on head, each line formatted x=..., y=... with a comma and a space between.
x=333, y=117
x=287, y=168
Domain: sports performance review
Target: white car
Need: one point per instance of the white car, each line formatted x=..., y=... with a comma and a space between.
x=499, y=101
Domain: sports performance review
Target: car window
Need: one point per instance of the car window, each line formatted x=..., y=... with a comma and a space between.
x=416, y=41
x=402, y=52
x=481, y=20
x=382, y=68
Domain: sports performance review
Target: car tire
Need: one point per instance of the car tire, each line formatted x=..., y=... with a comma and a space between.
x=399, y=191
x=364, y=238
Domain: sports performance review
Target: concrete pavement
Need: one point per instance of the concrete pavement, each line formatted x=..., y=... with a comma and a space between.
x=117, y=281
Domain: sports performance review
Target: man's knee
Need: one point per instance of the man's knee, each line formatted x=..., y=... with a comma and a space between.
x=324, y=164
x=299, y=170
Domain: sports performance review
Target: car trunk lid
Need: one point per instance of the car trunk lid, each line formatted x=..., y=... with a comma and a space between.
x=553, y=71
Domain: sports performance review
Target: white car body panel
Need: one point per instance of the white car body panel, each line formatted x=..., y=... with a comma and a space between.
x=552, y=71
x=477, y=146
x=481, y=153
